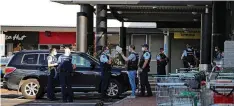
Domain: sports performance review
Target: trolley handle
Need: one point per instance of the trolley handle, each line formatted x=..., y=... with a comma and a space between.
x=229, y=94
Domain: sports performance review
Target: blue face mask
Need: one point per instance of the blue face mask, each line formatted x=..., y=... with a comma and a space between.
x=107, y=51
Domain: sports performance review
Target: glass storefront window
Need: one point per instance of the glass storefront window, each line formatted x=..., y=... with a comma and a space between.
x=56, y=46
x=44, y=47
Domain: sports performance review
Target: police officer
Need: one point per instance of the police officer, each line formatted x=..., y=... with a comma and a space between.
x=144, y=65
x=52, y=63
x=105, y=60
x=132, y=67
x=188, y=57
x=65, y=70
x=161, y=62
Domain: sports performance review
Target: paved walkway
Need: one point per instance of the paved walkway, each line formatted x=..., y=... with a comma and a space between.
x=139, y=101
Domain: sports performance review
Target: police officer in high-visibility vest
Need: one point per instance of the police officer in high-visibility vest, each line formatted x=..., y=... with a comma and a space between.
x=161, y=62
x=52, y=64
x=105, y=60
x=132, y=66
x=65, y=70
x=144, y=65
x=188, y=57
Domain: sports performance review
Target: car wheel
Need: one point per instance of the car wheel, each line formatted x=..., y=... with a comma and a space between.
x=31, y=89
x=114, y=89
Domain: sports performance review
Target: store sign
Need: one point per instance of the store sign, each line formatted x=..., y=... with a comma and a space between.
x=181, y=35
x=22, y=36
x=16, y=37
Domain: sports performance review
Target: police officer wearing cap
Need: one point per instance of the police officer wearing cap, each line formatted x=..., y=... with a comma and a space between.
x=132, y=66
x=188, y=57
x=52, y=64
x=65, y=70
x=105, y=60
x=144, y=65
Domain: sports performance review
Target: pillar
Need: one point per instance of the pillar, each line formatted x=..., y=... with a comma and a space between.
x=101, y=25
x=221, y=23
x=122, y=38
x=84, y=31
x=206, y=27
x=167, y=49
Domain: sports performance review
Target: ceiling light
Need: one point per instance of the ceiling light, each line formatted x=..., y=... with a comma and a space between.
x=155, y=7
x=195, y=19
x=194, y=13
x=190, y=5
x=120, y=12
x=125, y=19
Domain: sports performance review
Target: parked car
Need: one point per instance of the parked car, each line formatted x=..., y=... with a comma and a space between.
x=3, y=63
x=27, y=73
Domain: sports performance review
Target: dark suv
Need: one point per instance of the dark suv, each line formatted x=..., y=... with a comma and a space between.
x=27, y=73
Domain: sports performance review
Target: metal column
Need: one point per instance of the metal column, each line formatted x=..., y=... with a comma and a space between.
x=206, y=27
x=167, y=49
x=122, y=38
x=221, y=23
x=101, y=25
x=84, y=31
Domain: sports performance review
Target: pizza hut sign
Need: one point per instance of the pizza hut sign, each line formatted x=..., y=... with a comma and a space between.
x=16, y=37
x=28, y=37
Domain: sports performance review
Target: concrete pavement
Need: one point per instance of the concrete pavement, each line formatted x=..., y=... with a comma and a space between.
x=12, y=98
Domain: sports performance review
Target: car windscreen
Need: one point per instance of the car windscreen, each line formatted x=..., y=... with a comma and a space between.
x=5, y=60
x=91, y=57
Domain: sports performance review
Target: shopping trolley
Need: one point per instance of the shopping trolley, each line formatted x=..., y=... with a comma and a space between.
x=172, y=91
x=222, y=91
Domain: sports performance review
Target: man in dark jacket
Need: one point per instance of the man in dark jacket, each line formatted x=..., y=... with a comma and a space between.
x=65, y=70
x=144, y=66
x=161, y=62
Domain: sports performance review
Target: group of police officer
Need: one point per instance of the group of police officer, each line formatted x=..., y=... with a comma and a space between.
x=63, y=68
x=60, y=68
x=132, y=67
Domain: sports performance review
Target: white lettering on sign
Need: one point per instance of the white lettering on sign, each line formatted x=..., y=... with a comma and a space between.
x=15, y=37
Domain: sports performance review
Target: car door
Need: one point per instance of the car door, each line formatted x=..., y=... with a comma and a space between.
x=84, y=76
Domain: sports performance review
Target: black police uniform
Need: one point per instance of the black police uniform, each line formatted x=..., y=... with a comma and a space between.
x=133, y=65
x=162, y=64
x=65, y=70
x=51, y=78
x=106, y=75
x=189, y=58
x=144, y=76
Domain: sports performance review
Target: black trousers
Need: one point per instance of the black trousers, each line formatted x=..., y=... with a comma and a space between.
x=145, y=82
x=105, y=83
x=161, y=69
x=50, y=84
x=106, y=75
x=65, y=82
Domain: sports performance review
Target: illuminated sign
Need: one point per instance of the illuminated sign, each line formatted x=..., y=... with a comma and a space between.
x=181, y=35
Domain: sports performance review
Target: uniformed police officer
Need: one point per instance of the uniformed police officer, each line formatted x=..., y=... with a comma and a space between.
x=105, y=60
x=161, y=62
x=65, y=70
x=188, y=57
x=52, y=63
x=132, y=67
x=144, y=65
